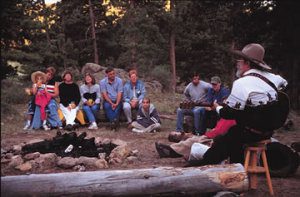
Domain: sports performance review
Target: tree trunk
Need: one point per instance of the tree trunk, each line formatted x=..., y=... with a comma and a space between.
x=135, y=182
x=172, y=48
x=92, y=17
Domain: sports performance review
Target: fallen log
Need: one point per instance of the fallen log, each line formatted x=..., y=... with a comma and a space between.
x=137, y=182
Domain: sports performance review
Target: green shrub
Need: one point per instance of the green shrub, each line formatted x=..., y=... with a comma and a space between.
x=162, y=74
x=12, y=92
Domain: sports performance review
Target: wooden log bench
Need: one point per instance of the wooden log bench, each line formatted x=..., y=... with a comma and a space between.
x=166, y=181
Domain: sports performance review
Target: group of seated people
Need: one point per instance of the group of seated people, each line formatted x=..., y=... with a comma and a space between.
x=43, y=110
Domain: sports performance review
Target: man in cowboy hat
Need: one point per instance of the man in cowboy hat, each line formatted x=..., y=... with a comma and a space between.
x=249, y=103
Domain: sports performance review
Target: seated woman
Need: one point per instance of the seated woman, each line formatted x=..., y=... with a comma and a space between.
x=52, y=89
x=69, y=95
x=90, y=96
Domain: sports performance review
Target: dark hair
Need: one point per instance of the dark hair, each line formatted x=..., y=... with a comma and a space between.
x=109, y=69
x=132, y=71
x=93, y=78
x=196, y=74
x=146, y=98
x=51, y=70
x=66, y=72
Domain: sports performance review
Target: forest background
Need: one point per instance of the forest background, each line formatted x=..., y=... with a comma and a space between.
x=166, y=40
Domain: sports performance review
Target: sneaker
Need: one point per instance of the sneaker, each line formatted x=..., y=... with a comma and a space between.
x=46, y=128
x=137, y=130
x=93, y=127
x=27, y=127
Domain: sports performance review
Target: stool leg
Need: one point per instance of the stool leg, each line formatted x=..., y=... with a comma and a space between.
x=247, y=158
x=265, y=163
x=253, y=176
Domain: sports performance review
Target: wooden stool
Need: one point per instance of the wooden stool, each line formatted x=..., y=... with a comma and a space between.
x=253, y=152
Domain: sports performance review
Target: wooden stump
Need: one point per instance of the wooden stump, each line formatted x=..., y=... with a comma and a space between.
x=135, y=182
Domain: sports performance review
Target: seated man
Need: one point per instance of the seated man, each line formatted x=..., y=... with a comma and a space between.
x=194, y=92
x=147, y=118
x=133, y=93
x=218, y=93
x=112, y=89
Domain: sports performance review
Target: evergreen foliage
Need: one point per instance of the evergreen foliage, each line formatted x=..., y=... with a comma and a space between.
x=138, y=34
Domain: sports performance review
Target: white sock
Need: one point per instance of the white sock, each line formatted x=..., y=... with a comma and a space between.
x=28, y=122
x=44, y=122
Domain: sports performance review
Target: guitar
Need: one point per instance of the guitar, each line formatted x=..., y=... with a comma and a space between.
x=191, y=104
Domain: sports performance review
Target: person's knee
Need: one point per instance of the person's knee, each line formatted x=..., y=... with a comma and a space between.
x=126, y=107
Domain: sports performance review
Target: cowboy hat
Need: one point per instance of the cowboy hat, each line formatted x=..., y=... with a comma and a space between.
x=36, y=74
x=254, y=53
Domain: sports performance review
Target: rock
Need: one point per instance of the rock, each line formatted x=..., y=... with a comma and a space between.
x=8, y=155
x=46, y=161
x=101, y=155
x=115, y=160
x=4, y=160
x=106, y=141
x=98, y=141
x=24, y=167
x=67, y=162
x=87, y=161
x=118, y=154
x=79, y=168
x=131, y=159
x=15, y=161
x=31, y=156
x=92, y=68
x=118, y=142
x=17, y=149
x=101, y=163
x=3, y=151
x=134, y=152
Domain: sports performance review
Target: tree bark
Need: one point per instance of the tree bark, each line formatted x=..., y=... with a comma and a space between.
x=92, y=17
x=172, y=47
x=135, y=182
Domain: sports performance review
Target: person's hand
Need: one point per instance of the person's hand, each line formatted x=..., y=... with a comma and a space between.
x=215, y=105
x=208, y=108
x=90, y=102
x=39, y=83
x=114, y=106
x=202, y=137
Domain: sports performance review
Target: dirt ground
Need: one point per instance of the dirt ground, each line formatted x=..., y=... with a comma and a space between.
x=12, y=134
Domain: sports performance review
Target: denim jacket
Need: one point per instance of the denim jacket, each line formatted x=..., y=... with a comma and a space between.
x=128, y=91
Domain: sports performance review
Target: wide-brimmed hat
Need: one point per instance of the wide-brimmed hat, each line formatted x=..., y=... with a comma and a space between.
x=254, y=53
x=34, y=75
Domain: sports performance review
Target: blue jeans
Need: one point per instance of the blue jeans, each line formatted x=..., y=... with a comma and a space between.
x=111, y=114
x=91, y=111
x=199, y=119
x=52, y=116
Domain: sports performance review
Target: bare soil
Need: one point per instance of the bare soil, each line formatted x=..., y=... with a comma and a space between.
x=12, y=134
